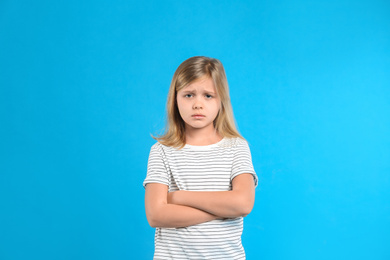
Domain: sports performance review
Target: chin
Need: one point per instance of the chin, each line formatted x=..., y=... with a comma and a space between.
x=199, y=126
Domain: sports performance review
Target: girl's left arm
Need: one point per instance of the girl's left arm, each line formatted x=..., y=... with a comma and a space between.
x=226, y=204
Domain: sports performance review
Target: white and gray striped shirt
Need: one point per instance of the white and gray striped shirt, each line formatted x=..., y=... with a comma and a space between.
x=200, y=168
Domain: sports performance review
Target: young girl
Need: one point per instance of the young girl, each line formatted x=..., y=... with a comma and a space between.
x=200, y=179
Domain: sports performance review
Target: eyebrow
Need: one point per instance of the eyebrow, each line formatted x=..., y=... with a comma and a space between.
x=193, y=91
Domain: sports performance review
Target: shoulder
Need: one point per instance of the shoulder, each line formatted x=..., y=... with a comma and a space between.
x=156, y=149
x=235, y=142
x=160, y=148
x=156, y=146
x=237, y=146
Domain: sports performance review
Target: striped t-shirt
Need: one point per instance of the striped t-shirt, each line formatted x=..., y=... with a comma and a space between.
x=200, y=168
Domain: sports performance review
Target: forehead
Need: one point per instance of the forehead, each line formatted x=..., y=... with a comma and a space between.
x=202, y=84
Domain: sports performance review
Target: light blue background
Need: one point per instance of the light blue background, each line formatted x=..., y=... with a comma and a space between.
x=84, y=83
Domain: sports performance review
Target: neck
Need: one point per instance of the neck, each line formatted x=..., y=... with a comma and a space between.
x=202, y=136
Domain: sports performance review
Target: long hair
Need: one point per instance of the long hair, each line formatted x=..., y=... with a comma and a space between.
x=189, y=71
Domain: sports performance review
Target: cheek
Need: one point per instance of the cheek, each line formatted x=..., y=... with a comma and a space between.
x=181, y=106
x=218, y=106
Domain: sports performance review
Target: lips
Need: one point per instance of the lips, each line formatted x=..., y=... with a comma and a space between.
x=198, y=116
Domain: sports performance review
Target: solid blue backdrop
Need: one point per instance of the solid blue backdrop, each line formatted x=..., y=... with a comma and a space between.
x=83, y=84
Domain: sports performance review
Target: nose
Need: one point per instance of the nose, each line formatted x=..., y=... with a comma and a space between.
x=197, y=104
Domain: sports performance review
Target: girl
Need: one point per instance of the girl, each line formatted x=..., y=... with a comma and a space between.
x=200, y=179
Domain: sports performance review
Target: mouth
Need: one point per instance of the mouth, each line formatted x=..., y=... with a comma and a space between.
x=198, y=116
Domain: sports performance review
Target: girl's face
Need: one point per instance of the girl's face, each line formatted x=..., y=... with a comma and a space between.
x=198, y=104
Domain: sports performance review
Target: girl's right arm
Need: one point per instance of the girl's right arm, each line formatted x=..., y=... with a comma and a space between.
x=161, y=214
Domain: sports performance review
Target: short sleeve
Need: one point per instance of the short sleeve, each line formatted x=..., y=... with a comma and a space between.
x=242, y=160
x=157, y=171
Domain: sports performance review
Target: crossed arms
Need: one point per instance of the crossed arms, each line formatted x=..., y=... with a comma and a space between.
x=186, y=208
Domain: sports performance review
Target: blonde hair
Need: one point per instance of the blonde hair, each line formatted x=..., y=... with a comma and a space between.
x=189, y=71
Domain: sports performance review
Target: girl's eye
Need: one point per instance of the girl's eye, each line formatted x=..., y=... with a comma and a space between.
x=188, y=95
x=209, y=96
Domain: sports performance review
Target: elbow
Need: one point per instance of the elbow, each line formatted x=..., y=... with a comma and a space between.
x=240, y=211
x=153, y=224
x=153, y=220
x=245, y=207
x=246, y=210
x=152, y=215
